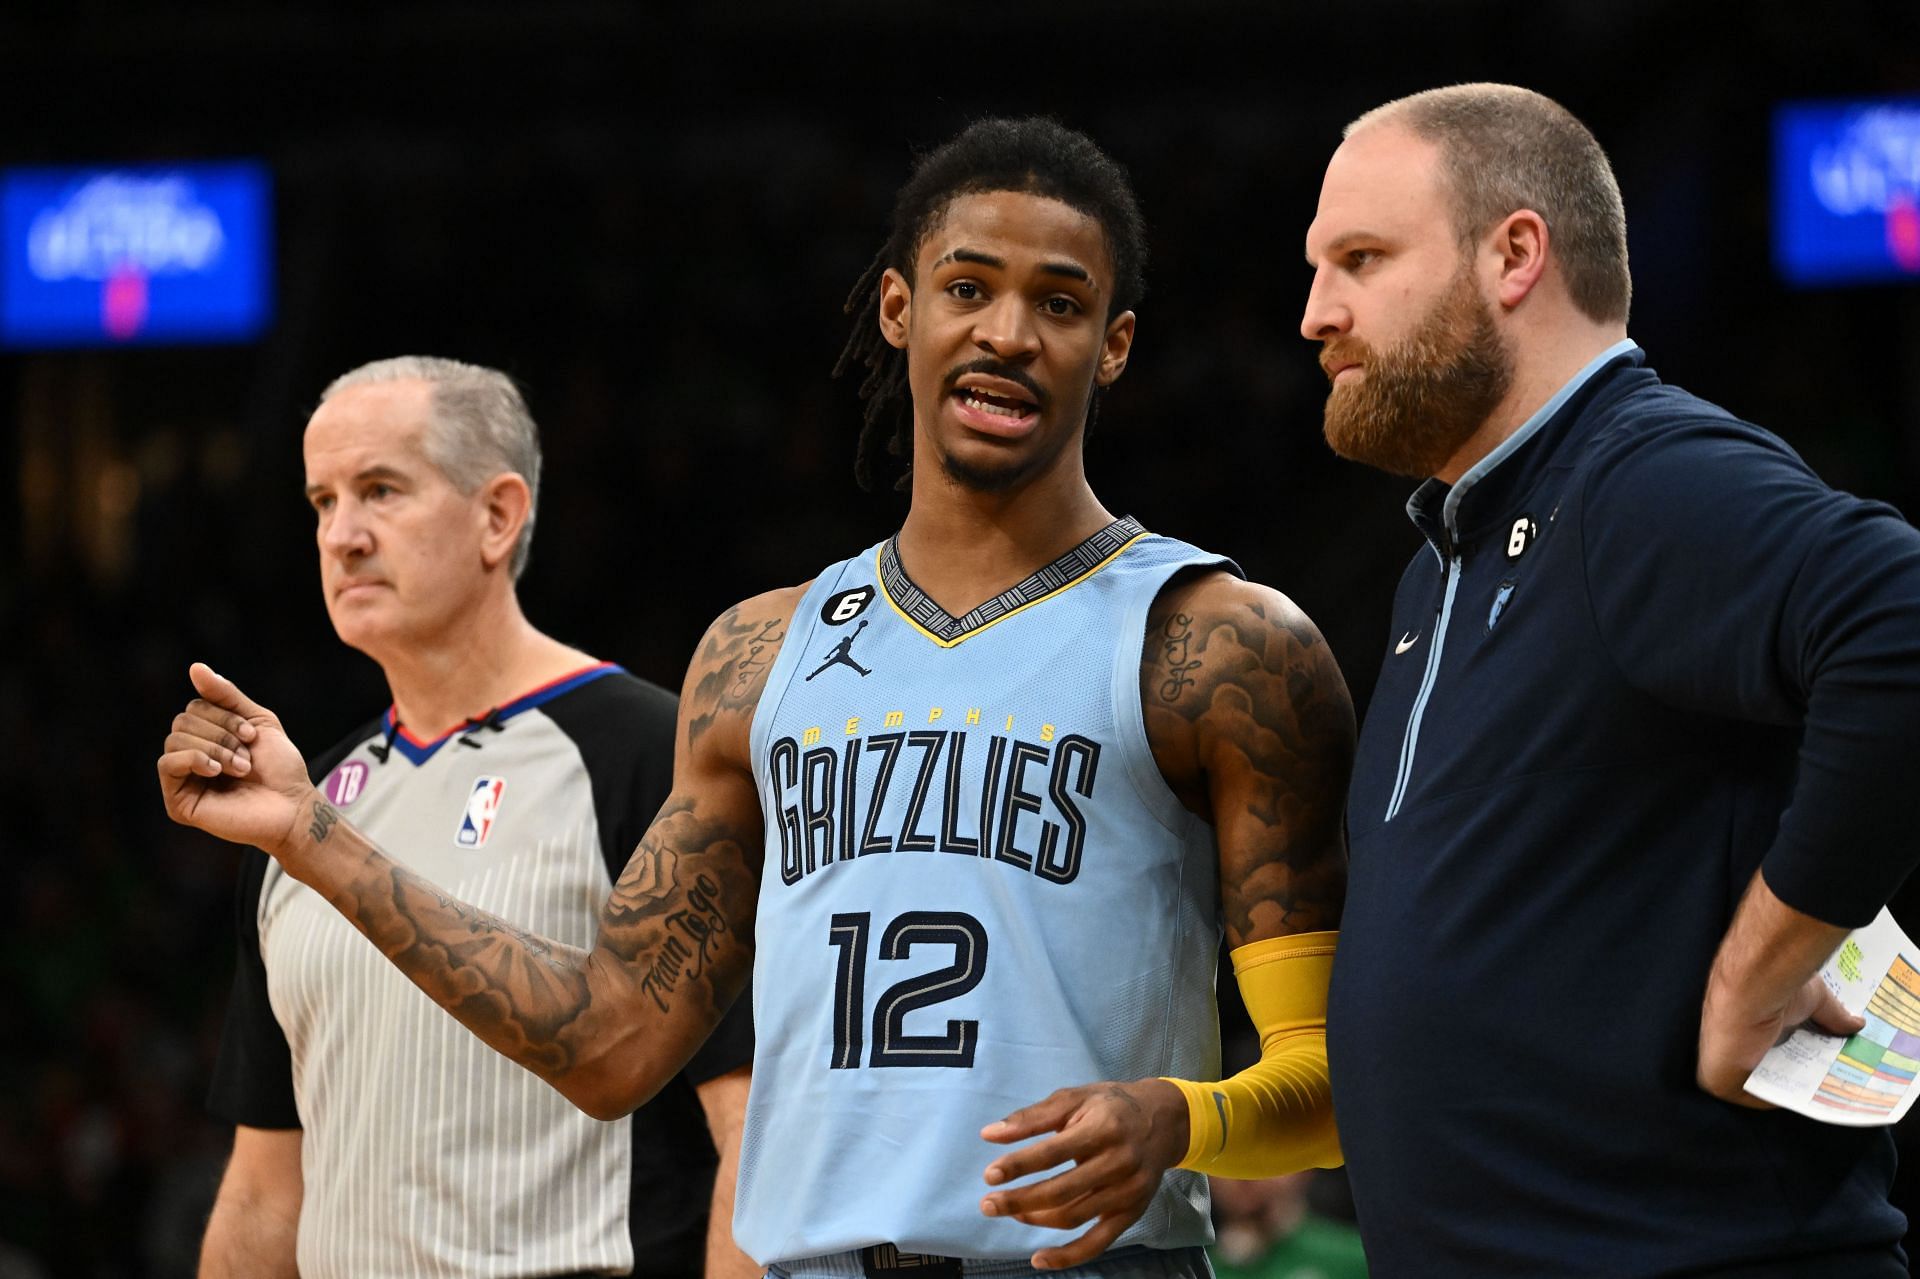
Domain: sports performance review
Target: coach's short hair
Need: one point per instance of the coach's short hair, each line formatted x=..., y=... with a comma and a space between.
x=1505, y=148
x=479, y=426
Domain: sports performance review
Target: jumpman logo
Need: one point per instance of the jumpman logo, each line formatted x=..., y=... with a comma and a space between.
x=842, y=654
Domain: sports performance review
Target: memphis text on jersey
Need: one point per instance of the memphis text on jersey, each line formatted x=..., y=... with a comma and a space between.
x=881, y=787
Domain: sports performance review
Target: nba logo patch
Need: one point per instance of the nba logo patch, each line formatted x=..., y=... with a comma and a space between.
x=344, y=784
x=483, y=805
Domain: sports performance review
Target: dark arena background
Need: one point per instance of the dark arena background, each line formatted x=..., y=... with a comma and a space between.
x=650, y=216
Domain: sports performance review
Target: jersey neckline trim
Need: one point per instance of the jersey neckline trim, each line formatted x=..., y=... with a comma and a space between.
x=1064, y=573
x=419, y=752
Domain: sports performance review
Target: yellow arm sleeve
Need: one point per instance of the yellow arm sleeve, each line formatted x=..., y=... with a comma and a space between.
x=1276, y=1116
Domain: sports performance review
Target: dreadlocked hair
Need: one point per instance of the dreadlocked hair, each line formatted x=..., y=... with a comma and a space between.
x=1036, y=155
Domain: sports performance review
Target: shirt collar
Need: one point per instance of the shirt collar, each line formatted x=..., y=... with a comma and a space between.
x=1424, y=496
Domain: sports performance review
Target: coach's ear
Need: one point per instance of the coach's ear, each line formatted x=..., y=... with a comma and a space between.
x=896, y=308
x=1517, y=250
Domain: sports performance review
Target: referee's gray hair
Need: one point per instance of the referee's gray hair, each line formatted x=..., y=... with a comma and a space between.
x=479, y=426
x=1504, y=148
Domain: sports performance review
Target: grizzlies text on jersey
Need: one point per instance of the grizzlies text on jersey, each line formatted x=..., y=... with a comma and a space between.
x=977, y=889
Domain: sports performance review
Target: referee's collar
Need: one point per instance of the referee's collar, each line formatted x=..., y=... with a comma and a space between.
x=400, y=738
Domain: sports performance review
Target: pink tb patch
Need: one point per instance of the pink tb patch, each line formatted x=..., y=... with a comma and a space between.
x=344, y=784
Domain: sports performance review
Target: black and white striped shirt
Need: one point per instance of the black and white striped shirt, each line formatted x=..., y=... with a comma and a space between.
x=424, y=1152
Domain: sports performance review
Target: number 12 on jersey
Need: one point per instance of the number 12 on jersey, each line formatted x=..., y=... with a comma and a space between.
x=892, y=1045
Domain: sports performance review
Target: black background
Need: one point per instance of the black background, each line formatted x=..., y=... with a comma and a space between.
x=651, y=217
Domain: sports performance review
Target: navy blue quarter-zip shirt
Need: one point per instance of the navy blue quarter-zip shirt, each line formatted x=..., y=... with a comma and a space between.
x=1644, y=652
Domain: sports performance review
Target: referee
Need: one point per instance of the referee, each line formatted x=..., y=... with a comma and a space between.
x=373, y=1135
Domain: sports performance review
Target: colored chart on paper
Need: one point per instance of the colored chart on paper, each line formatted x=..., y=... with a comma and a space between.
x=1864, y=1080
x=1876, y=1068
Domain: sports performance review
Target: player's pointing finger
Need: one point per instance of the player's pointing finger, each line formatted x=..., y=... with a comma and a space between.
x=222, y=692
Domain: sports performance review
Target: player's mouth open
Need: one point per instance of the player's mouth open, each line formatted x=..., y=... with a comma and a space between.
x=997, y=411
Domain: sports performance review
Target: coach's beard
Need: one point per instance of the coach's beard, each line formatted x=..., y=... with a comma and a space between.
x=1417, y=401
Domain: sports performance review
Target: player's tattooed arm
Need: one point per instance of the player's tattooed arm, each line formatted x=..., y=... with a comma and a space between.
x=1252, y=726
x=731, y=666
x=1250, y=723
x=607, y=1025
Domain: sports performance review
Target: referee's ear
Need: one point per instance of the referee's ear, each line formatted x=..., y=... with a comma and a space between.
x=506, y=503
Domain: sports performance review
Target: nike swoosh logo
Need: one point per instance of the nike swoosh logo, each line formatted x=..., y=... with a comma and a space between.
x=1220, y=1104
x=1406, y=642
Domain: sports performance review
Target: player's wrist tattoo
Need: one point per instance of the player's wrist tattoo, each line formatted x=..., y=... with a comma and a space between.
x=325, y=818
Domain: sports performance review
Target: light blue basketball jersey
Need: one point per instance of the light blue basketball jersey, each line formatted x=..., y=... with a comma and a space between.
x=978, y=889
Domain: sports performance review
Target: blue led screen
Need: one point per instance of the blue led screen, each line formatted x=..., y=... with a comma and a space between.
x=1846, y=203
x=153, y=253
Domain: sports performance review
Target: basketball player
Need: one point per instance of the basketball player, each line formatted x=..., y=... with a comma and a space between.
x=972, y=803
x=370, y=1138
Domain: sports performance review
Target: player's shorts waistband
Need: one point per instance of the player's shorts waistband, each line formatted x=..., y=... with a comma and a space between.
x=885, y=1262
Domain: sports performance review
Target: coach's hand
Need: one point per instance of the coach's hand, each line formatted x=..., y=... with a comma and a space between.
x=1733, y=1038
x=1121, y=1138
x=1764, y=983
x=228, y=767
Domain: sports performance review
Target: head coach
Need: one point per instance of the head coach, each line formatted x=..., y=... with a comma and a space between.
x=1639, y=754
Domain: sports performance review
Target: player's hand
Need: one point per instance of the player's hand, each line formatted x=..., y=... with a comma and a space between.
x=228, y=767
x=1732, y=1042
x=1121, y=1138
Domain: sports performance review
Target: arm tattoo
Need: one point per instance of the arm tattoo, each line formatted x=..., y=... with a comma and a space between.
x=325, y=815
x=680, y=917
x=674, y=941
x=689, y=943
x=732, y=667
x=664, y=935
x=758, y=661
x=1176, y=636
x=1251, y=724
